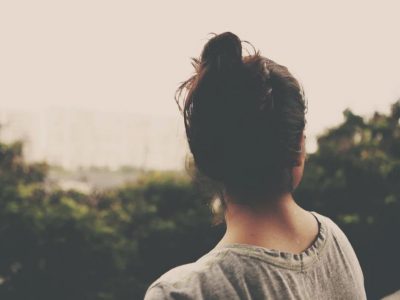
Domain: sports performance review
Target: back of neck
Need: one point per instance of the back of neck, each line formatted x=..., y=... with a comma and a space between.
x=280, y=224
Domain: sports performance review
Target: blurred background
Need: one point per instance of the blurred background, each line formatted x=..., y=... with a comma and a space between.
x=95, y=202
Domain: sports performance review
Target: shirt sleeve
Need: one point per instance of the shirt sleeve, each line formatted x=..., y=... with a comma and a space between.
x=346, y=246
x=156, y=292
x=160, y=291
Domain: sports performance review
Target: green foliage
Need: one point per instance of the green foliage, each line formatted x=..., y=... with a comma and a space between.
x=53, y=245
x=354, y=178
x=67, y=245
x=111, y=245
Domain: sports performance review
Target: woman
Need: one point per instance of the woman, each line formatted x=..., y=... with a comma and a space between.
x=245, y=119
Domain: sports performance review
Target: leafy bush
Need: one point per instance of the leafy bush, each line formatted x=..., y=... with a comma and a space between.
x=354, y=178
x=67, y=245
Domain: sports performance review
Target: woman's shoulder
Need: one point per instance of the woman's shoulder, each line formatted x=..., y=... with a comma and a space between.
x=187, y=280
x=340, y=246
x=332, y=228
x=335, y=235
x=172, y=281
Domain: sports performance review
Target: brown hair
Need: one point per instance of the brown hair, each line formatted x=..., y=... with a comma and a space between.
x=244, y=118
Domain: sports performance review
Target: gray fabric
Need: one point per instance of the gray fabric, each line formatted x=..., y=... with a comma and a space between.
x=329, y=269
x=394, y=296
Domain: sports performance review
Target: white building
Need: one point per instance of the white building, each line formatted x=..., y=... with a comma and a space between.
x=77, y=138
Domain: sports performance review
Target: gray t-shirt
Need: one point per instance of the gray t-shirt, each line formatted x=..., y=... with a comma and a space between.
x=328, y=269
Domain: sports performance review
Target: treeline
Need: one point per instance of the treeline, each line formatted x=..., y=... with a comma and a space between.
x=58, y=244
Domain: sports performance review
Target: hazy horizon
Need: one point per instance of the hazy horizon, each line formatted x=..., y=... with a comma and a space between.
x=73, y=138
x=123, y=56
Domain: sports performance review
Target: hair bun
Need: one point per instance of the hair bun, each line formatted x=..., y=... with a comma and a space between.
x=223, y=51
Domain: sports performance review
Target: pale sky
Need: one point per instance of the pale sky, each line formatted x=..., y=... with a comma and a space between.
x=131, y=55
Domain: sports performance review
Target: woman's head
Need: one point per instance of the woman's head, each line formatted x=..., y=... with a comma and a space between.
x=244, y=120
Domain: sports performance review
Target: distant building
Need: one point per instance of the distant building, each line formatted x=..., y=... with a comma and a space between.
x=78, y=138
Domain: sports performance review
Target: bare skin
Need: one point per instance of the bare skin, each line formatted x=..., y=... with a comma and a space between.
x=279, y=224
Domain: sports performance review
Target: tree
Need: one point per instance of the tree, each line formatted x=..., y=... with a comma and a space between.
x=58, y=244
x=354, y=178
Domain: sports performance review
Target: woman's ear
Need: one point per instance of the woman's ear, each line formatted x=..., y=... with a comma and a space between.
x=297, y=171
x=303, y=154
